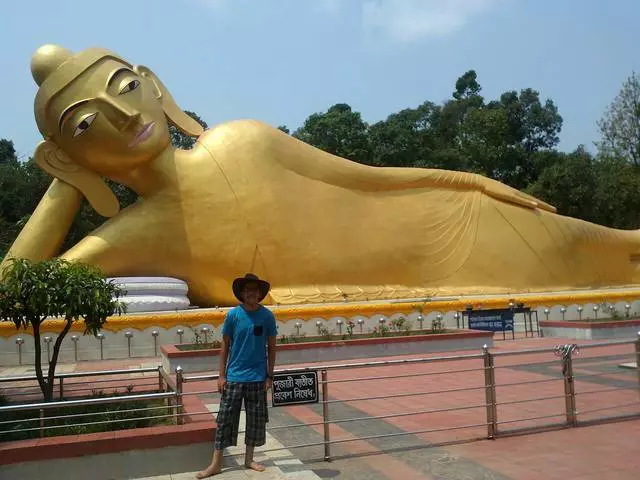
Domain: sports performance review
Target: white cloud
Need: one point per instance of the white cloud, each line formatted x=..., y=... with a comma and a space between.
x=411, y=20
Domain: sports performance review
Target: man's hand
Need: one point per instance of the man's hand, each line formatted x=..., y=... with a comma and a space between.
x=222, y=383
x=268, y=384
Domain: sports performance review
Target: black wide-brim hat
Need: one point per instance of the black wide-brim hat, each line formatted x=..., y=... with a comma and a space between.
x=239, y=283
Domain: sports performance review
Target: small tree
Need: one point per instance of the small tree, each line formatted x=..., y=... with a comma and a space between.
x=32, y=292
x=620, y=125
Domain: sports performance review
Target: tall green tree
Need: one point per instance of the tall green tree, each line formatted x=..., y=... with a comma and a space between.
x=620, y=125
x=30, y=293
x=503, y=139
x=7, y=152
x=468, y=88
x=484, y=143
x=600, y=190
x=406, y=138
x=339, y=131
x=569, y=185
x=532, y=124
x=21, y=187
x=453, y=113
x=617, y=198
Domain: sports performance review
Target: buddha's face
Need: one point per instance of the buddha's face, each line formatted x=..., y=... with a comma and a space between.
x=109, y=119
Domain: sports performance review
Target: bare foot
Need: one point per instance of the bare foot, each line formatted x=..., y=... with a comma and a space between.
x=255, y=466
x=210, y=471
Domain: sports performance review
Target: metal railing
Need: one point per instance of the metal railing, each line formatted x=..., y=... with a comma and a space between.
x=43, y=419
x=65, y=386
x=486, y=402
x=162, y=386
x=483, y=397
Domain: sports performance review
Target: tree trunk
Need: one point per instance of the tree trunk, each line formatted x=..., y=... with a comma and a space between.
x=54, y=357
x=46, y=393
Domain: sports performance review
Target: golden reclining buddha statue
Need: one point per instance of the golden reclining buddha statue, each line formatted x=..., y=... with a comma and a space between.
x=249, y=197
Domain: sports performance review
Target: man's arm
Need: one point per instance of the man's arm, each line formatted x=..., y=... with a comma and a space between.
x=272, y=335
x=271, y=351
x=224, y=354
x=227, y=335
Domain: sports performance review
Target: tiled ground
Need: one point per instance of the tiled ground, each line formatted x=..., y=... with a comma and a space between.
x=421, y=443
x=280, y=463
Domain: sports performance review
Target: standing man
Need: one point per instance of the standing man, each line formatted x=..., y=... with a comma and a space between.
x=249, y=329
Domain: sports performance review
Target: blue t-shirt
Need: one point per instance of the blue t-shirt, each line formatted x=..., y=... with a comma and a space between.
x=249, y=331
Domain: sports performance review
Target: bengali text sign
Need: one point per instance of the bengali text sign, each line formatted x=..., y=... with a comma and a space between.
x=294, y=387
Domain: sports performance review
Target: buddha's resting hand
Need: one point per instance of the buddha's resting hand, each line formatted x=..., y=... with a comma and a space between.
x=508, y=194
x=469, y=181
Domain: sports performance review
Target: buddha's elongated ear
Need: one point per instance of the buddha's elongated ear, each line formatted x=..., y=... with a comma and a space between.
x=53, y=160
x=174, y=113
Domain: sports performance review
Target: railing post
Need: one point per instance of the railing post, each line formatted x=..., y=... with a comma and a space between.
x=75, y=347
x=48, y=341
x=325, y=416
x=178, y=410
x=19, y=342
x=128, y=334
x=101, y=339
x=155, y=334
x=490, y=393
x=160, y=379
x=41, y=422
x=638, y=357
x=565, y=352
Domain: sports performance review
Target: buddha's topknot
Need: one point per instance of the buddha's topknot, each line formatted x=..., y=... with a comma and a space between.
x=46, y=60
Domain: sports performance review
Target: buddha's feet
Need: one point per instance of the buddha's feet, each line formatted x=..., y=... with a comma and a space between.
x=255, y=466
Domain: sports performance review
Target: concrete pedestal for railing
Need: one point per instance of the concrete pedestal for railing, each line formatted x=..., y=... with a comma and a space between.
x=199, y=360
x=591, y=330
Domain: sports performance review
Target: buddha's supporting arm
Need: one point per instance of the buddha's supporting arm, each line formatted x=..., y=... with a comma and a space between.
x=44, y=233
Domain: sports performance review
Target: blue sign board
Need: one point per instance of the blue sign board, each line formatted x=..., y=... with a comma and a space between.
x=491, y=320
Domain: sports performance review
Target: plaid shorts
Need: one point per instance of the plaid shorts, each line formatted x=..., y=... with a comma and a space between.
x=255, y=405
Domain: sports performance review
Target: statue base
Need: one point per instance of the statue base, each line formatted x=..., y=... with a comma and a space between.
x=153, y=294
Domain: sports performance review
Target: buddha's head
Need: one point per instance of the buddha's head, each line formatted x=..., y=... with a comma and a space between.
x=100, y=116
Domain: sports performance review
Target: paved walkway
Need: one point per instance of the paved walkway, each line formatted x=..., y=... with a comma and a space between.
x=421, y=443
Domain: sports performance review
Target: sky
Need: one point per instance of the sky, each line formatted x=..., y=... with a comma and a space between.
x=281, y=60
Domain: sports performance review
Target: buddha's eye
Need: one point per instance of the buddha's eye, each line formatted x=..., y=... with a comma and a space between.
x=132, y=85
x=84, y=125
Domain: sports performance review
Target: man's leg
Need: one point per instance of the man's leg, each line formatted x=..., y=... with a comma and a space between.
x=257, y=418
x=228, y=420
x=215, y=467
x=250, y=463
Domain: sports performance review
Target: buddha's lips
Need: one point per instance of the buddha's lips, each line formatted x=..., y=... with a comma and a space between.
x=143, y=134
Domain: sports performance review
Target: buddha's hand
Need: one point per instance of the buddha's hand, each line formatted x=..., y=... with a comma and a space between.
x=71, y=180
x=506, y=193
